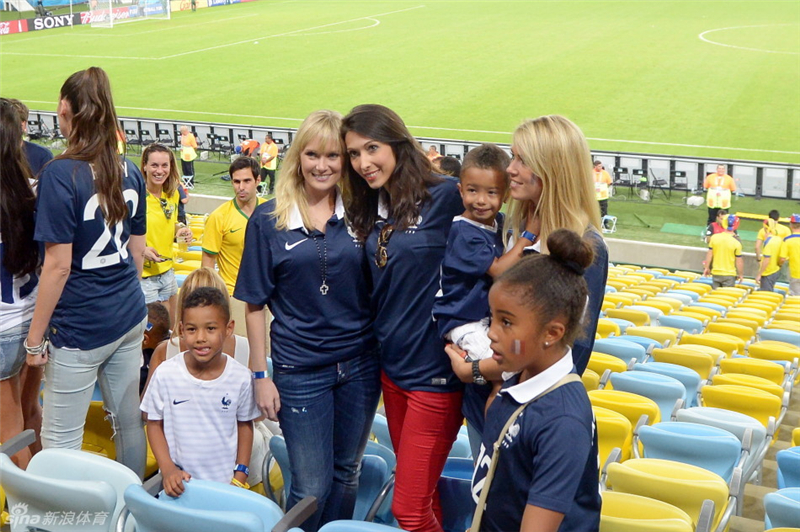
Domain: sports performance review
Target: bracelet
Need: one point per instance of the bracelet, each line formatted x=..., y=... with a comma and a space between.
x=243, y=468
x=40, y=349
x=528, y=235
x=260, y=375
x=243, y=485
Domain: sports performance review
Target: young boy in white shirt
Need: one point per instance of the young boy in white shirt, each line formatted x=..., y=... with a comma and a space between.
x=199, y=405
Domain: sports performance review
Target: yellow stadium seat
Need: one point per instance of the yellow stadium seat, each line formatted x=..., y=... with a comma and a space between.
x=626, y=512
x=689, y=276
x=644, y=291
x=621, y=298
x=699, y=288
x=717, y=300
x=663, y=306
x=630, y=281
x=606, y=327
x=590, y=379
x=98, y=438
x=613, y=430
x=738, y=293
x=637, y=317
x=700, y=362
x=759, y=317
x=629, y=267
x=600, y=362
x=752, y=324
x=787, y=315
x=664, y=284
x=755, y=403
x=619, y=285
x=189, y=255
x=784, y=324
x=770, y=350
x=724, y=342
x=665, y=335
x=645, y=276
x=675, y=303
x=607, y=305
x=765, y=369
x=769, y=309
x=662, y=271
x=752, y=300
x=767, y=296
x=711, y=313
x=630, y=405
x=751, y=381
x=734, y=329
x=682, y=485
x=796, y=437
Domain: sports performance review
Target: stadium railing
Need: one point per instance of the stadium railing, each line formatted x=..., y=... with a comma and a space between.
x=663, y=172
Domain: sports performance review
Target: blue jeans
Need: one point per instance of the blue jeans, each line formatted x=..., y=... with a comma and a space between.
x=12, y=352
x=326, y=415
x=69, y=377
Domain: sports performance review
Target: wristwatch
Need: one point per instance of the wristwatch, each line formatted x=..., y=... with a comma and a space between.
x=477, y=378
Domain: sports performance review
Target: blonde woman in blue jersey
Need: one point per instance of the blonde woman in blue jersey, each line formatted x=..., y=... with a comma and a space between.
x=303, y=261
x=19, y=260
x=90, y=315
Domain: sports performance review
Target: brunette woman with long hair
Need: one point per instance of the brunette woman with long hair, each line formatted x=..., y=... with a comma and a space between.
x=90, y=314
x=19, y=260
x=402, y=212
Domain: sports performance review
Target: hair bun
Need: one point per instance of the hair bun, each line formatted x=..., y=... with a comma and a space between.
x=570, y=250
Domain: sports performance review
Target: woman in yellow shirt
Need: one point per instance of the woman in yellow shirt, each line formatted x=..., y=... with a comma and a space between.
x=188, y=154
x=161, y=179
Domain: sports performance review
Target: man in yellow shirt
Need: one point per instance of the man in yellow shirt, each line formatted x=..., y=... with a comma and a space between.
x=790, y=250
x=223, y=238
x=770, y=266
x=602, y=180
x=720, y=186
x=269, y=162
x=772, y=226
x=724, y=258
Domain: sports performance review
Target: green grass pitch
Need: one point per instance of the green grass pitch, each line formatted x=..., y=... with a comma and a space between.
x=705, y=78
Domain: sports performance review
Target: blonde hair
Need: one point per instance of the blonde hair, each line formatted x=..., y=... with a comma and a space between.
x=556, y=151
x=290, y=191
x=197, y=279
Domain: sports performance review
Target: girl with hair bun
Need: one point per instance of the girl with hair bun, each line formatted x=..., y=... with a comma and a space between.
x=90, y=315
x=541, y=422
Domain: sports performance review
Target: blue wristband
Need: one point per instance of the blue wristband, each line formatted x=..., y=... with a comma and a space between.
x=243, y=468
x=528, y=235
x=260, y=375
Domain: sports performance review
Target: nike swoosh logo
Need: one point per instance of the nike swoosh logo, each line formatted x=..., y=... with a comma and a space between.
x=289, y=247
x=234, y=230
x=176, y=402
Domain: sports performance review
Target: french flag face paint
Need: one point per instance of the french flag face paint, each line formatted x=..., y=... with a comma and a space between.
x=518, y=347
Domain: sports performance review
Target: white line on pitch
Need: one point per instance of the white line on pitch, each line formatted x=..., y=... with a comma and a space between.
x=73, y=56
x=709, y=41
x=211, y=113
x=367, y=17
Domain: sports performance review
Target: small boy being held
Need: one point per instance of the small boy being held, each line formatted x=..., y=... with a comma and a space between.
x=474, y=255
x=199, y=405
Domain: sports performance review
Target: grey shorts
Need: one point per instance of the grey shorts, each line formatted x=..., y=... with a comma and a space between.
x=723, y=280
x=768, y=282
x=12, y=350
x=159, y=287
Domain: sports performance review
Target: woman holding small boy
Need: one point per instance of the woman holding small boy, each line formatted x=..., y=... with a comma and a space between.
x=402, y=213
x=303, y=261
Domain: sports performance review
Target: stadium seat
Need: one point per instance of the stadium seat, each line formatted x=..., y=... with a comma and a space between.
x=775, y=373
x=753, y=402
x=606, y=327
x=688, y=377
x=600, y=362
x=782, y=508
x=734, y=329
x=613, y=431
x=682, y=485
x=711, y=448
x=730, y=345
x=62, y=480
x=354, y=526
x=625, y=512
x=455, y=494
x=662, y=389
x=622, y=349
x=779, y=335
x=590, y=379
x=630, y=405
x=654, y=313
x=207, y=506
x=687, y=324
x=666, y=335
x=789, y=325
x=701, y=363
x=635, y=316
x=788, y=467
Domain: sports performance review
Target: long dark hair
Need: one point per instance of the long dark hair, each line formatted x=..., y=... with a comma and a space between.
x=17, y=201
x=408, y=185
x=93, y=138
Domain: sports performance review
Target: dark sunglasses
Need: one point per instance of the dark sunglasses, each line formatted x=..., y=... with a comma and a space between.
x=166, y=208
x=381, y=255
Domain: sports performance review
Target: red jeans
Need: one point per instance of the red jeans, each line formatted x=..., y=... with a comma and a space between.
x=423, y=427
